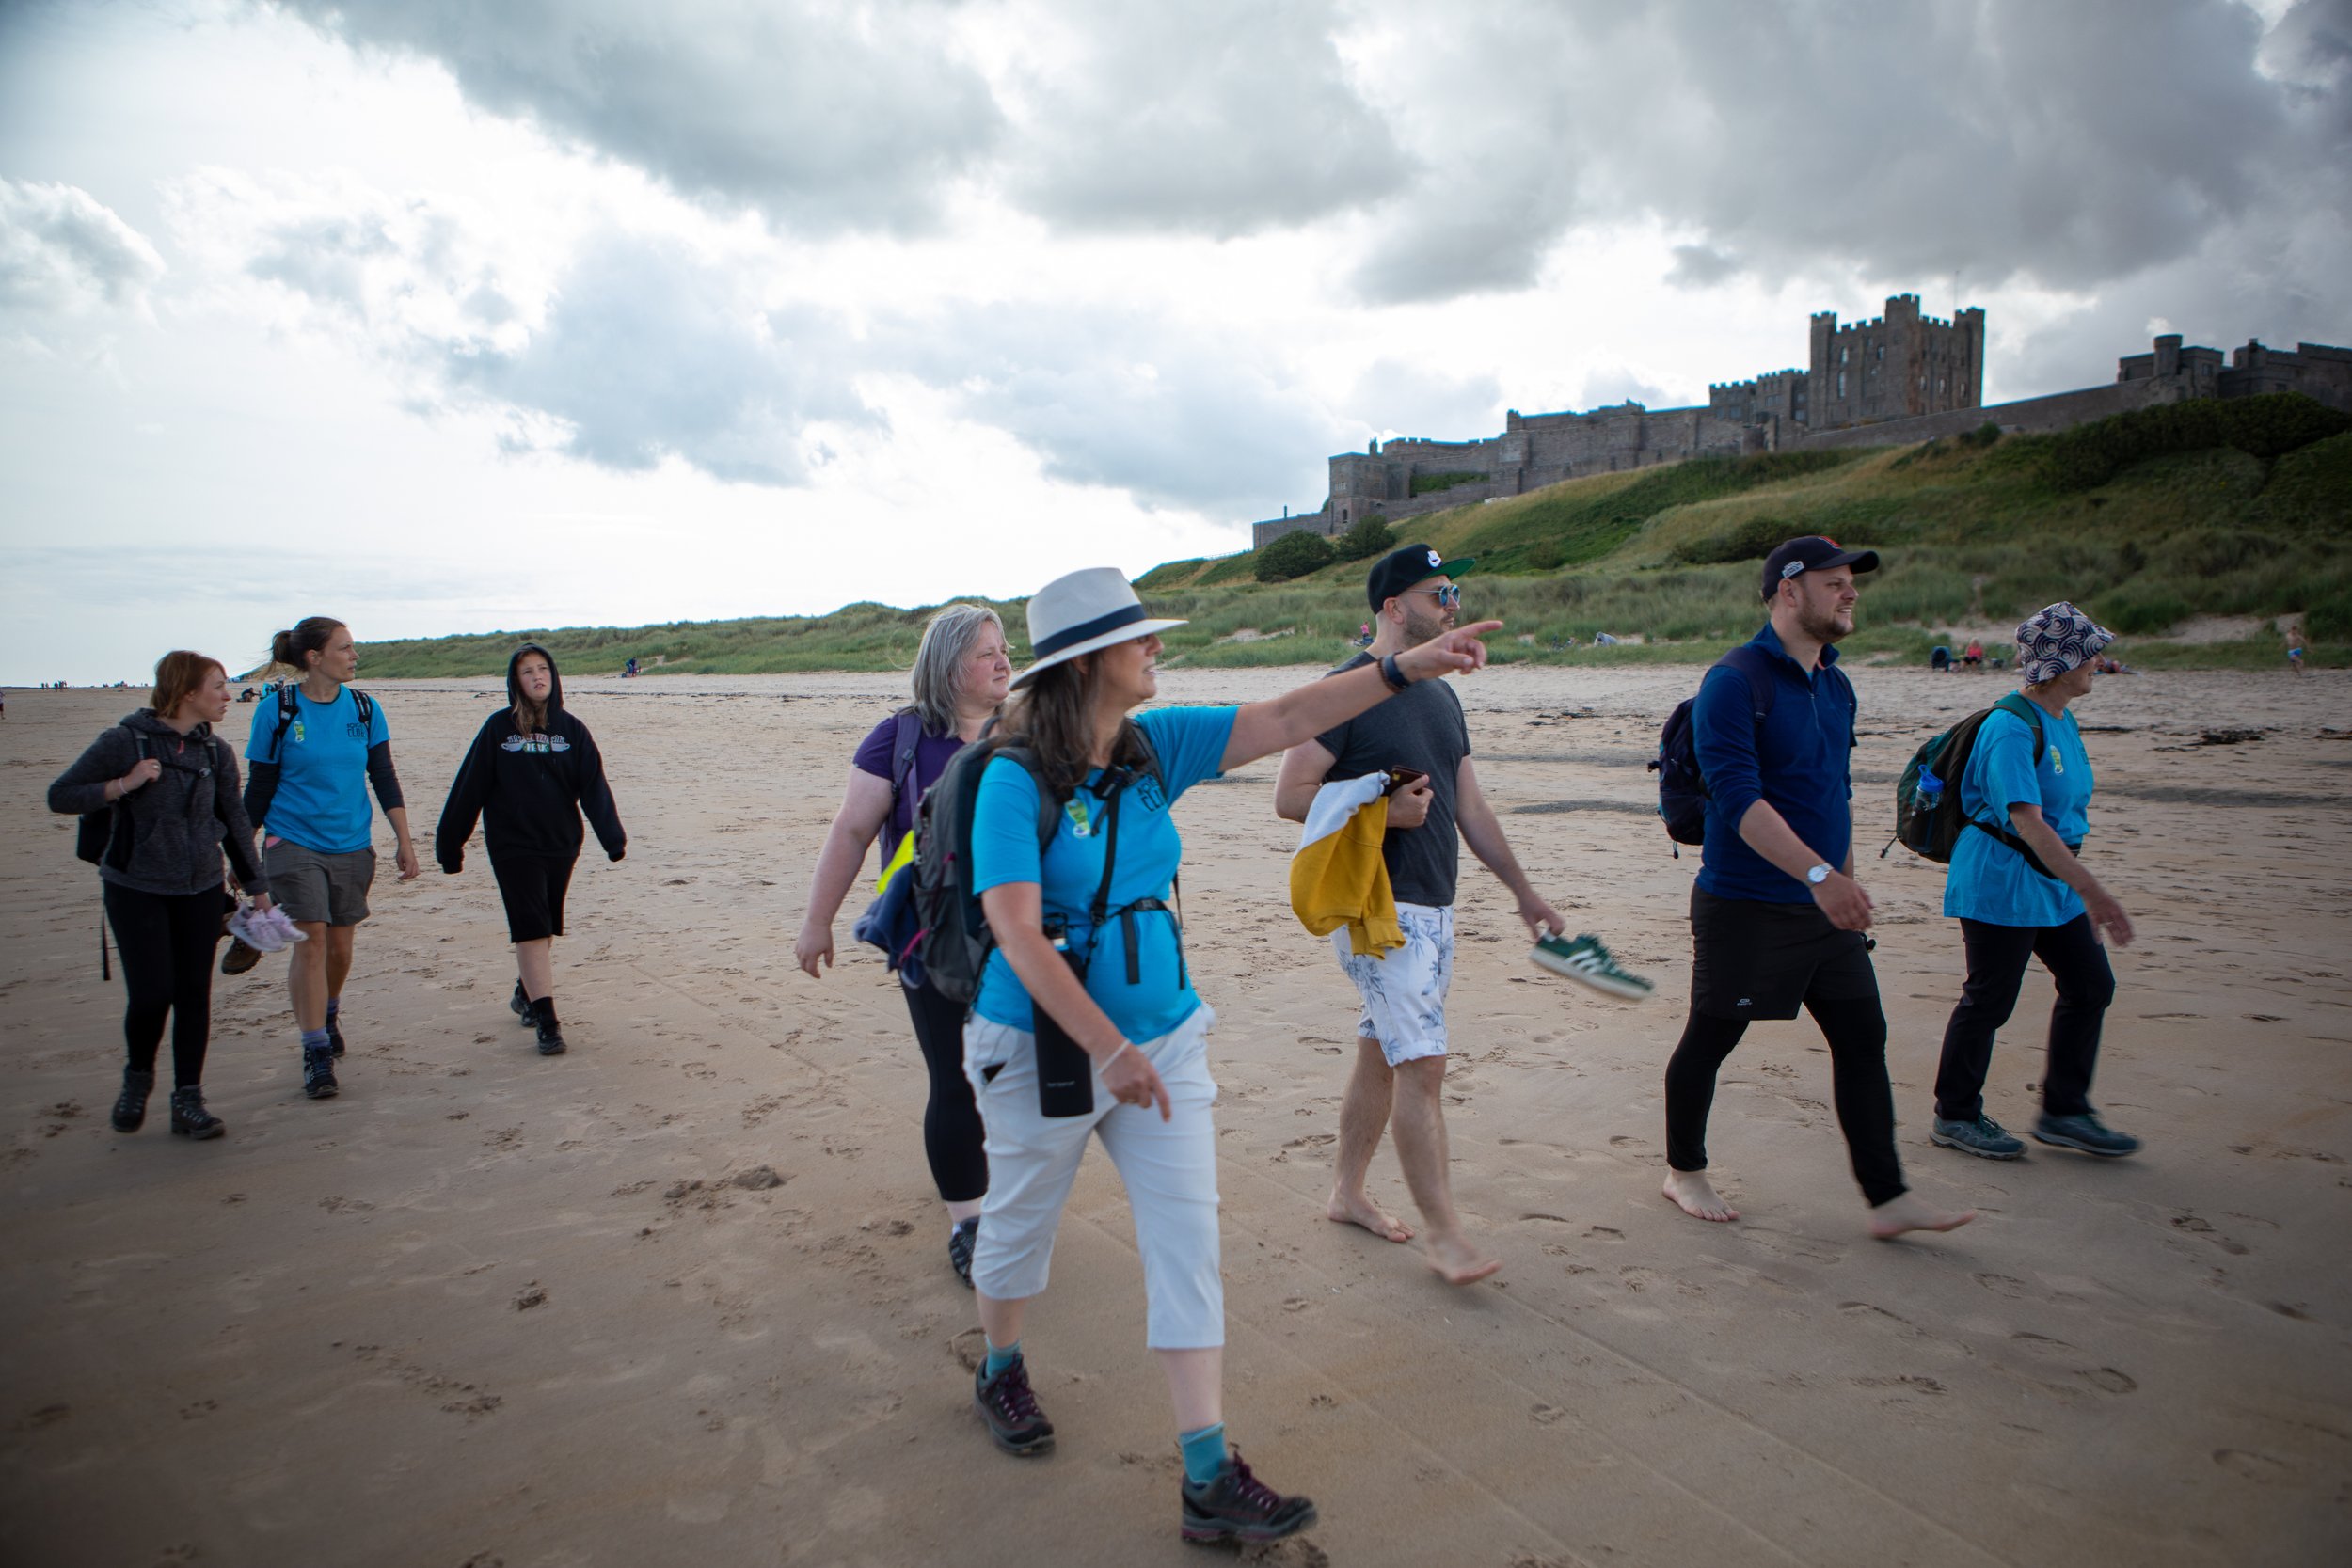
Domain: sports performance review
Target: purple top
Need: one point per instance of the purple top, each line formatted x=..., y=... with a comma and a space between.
x=931, y=760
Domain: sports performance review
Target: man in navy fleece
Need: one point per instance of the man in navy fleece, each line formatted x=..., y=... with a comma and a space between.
x=1776, y=918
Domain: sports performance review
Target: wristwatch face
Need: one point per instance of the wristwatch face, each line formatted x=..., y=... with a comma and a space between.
x=1817, y=875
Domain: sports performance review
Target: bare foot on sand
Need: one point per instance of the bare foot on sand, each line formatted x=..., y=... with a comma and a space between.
x=1907, y=1212
x=1356, y=1209
x=1694, y=1194
x=1457, y=1262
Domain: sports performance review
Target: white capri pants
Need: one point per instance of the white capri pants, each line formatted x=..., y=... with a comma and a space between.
x=1169, y=1170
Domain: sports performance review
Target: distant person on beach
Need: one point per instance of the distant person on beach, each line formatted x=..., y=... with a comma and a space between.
x=961, y=673
x=1973, y=656
x=1776, y=917
x=1089, y=959
x=2294, y=646
x=169, y=786
x=532, y=773
x=2029, y=778
x=1398, y=1076
x=316, y=748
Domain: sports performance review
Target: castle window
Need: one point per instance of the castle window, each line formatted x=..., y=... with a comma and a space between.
x=1882, y=351
x=1842, y=384
x=1842, y=353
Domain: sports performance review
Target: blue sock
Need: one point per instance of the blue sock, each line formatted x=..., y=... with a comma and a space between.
x=334, y=1005
x=998, y=1360
x=1204, y=1454
x=315, y=1039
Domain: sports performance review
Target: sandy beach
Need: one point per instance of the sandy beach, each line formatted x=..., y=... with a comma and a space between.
x=681, y=1295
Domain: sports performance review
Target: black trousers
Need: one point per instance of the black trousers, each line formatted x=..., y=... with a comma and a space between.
x=1996, y=967
x=953, y=1139
x=167, y=941
x=1856, y=1030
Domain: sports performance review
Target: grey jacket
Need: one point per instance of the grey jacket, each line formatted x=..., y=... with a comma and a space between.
x=182, y=821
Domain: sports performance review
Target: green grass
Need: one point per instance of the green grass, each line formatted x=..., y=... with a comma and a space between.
x=1971, y=533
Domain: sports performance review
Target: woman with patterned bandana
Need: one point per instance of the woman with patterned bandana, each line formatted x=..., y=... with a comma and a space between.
x=2028, y=783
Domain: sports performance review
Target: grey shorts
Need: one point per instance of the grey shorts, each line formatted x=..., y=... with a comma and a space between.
x=315, y=889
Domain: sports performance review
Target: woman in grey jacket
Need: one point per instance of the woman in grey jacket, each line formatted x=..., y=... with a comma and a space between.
x=170, y=789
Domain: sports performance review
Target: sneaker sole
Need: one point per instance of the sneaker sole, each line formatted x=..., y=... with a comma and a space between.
x=553, y=1048
x=323, y=1091
x=2041, y=1137
x=1942, y=1142
x=1019, y=1450
x=1212, y=1535
x=1631, y=991
x=213, y=1131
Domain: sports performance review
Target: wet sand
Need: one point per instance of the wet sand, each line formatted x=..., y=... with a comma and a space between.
x=489, y=1309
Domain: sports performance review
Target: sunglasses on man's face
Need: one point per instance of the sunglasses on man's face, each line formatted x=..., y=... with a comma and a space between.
x=1450, y=596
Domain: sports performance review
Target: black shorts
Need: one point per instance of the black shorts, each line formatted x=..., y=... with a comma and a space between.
x=1755, y=960
x=532, y=887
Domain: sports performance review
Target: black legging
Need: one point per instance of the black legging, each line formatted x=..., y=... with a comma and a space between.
x=952, y=1138
x=1996, y=967
x=1856, y=1031
x=167, y=941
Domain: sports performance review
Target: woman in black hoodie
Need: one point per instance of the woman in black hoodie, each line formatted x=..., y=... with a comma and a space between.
x=170, y=790
x=531, y=772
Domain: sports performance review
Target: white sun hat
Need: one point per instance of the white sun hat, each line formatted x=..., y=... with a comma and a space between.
x=1080, y=611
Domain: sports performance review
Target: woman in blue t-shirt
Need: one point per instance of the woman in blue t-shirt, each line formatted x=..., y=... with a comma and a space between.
x=316, y=747
x=962, y=673
x=1087, y=1000
x=2012, y=909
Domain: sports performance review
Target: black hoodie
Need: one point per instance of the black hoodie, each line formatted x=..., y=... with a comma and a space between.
x=529, y=790
x=180, y=823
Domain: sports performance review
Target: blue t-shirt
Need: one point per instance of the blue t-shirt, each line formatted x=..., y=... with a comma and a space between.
x=1190, y=742
x=1989, y=880
x=322, y=799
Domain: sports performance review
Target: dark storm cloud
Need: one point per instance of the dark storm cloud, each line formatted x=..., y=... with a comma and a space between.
x=1217, y=118
x=2067, y=144
x=829, y=116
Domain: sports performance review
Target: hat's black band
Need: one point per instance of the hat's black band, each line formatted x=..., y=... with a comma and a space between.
x=1068, y=636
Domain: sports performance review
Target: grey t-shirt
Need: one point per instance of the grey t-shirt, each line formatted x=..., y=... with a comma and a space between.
x=1419, y=727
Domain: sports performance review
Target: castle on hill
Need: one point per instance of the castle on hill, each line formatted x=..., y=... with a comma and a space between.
x=1895, y=379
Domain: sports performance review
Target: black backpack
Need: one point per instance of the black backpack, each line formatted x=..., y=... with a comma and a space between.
x=1928, y=817
x=289, y=709
x=1682, y=795
x=953, y=938
x=102, y=837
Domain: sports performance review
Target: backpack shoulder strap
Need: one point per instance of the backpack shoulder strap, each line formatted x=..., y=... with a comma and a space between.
x=2020, y=707
x=904, y=741
x=364, y=706
x=1048, y=809
x=1754, y=667
x=289, y=709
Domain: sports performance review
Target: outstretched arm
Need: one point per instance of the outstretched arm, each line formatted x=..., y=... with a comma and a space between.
x=1483, y=832
x=1261, y=729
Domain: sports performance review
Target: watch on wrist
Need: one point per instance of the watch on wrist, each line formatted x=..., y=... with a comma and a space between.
x=1816, y=872
x=1393, y=673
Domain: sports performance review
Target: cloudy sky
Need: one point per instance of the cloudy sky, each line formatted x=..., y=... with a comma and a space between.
x=437, y=316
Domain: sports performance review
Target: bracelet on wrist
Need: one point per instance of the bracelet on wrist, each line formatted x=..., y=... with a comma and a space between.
x=1124, y=1046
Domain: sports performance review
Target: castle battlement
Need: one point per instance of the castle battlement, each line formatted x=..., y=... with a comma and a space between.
x=1897, y=377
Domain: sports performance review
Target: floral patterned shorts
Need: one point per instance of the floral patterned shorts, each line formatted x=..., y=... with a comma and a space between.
x=1404, y=992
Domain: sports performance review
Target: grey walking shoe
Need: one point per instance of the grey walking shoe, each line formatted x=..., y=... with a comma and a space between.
x=1015, y=1424
x=2087, y=1133
x=190, y=1120
x=1237, y=1505
x=1984, y=1137
x=130, y=1112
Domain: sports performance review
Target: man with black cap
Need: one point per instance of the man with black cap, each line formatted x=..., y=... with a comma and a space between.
x=1401, y=1036
x=1777, y=919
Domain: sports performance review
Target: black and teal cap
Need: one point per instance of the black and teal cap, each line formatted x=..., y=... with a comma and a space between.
x=1399, y=570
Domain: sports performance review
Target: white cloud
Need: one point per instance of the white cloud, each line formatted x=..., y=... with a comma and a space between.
x=63, y=253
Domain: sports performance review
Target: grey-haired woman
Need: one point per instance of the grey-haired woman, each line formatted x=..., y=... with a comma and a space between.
x=2021, y=893
x=961, y=673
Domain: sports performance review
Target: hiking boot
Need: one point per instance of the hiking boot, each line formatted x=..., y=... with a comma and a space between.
x=334, y=1035
x=960, y=1242
x=318, y=1072
x=131, y=1104
x=1983, y=1137
x=1015, y=1424
x=1237, y=1505
x=2087, y=1133
x=551, y=1034
x=242, y=956
x=1587, y=962
x=190, y=1120
x=521, y=1005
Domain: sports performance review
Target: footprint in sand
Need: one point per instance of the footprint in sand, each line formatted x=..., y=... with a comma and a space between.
x=1545, y=1415
x=2193, y=1225
x=2254, y=1466
x=1621, y=1141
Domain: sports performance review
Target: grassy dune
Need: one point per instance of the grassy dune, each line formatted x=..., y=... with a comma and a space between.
x=1973, y=536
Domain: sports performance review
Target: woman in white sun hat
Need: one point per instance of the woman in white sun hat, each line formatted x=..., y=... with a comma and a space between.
x=1087, y=1022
